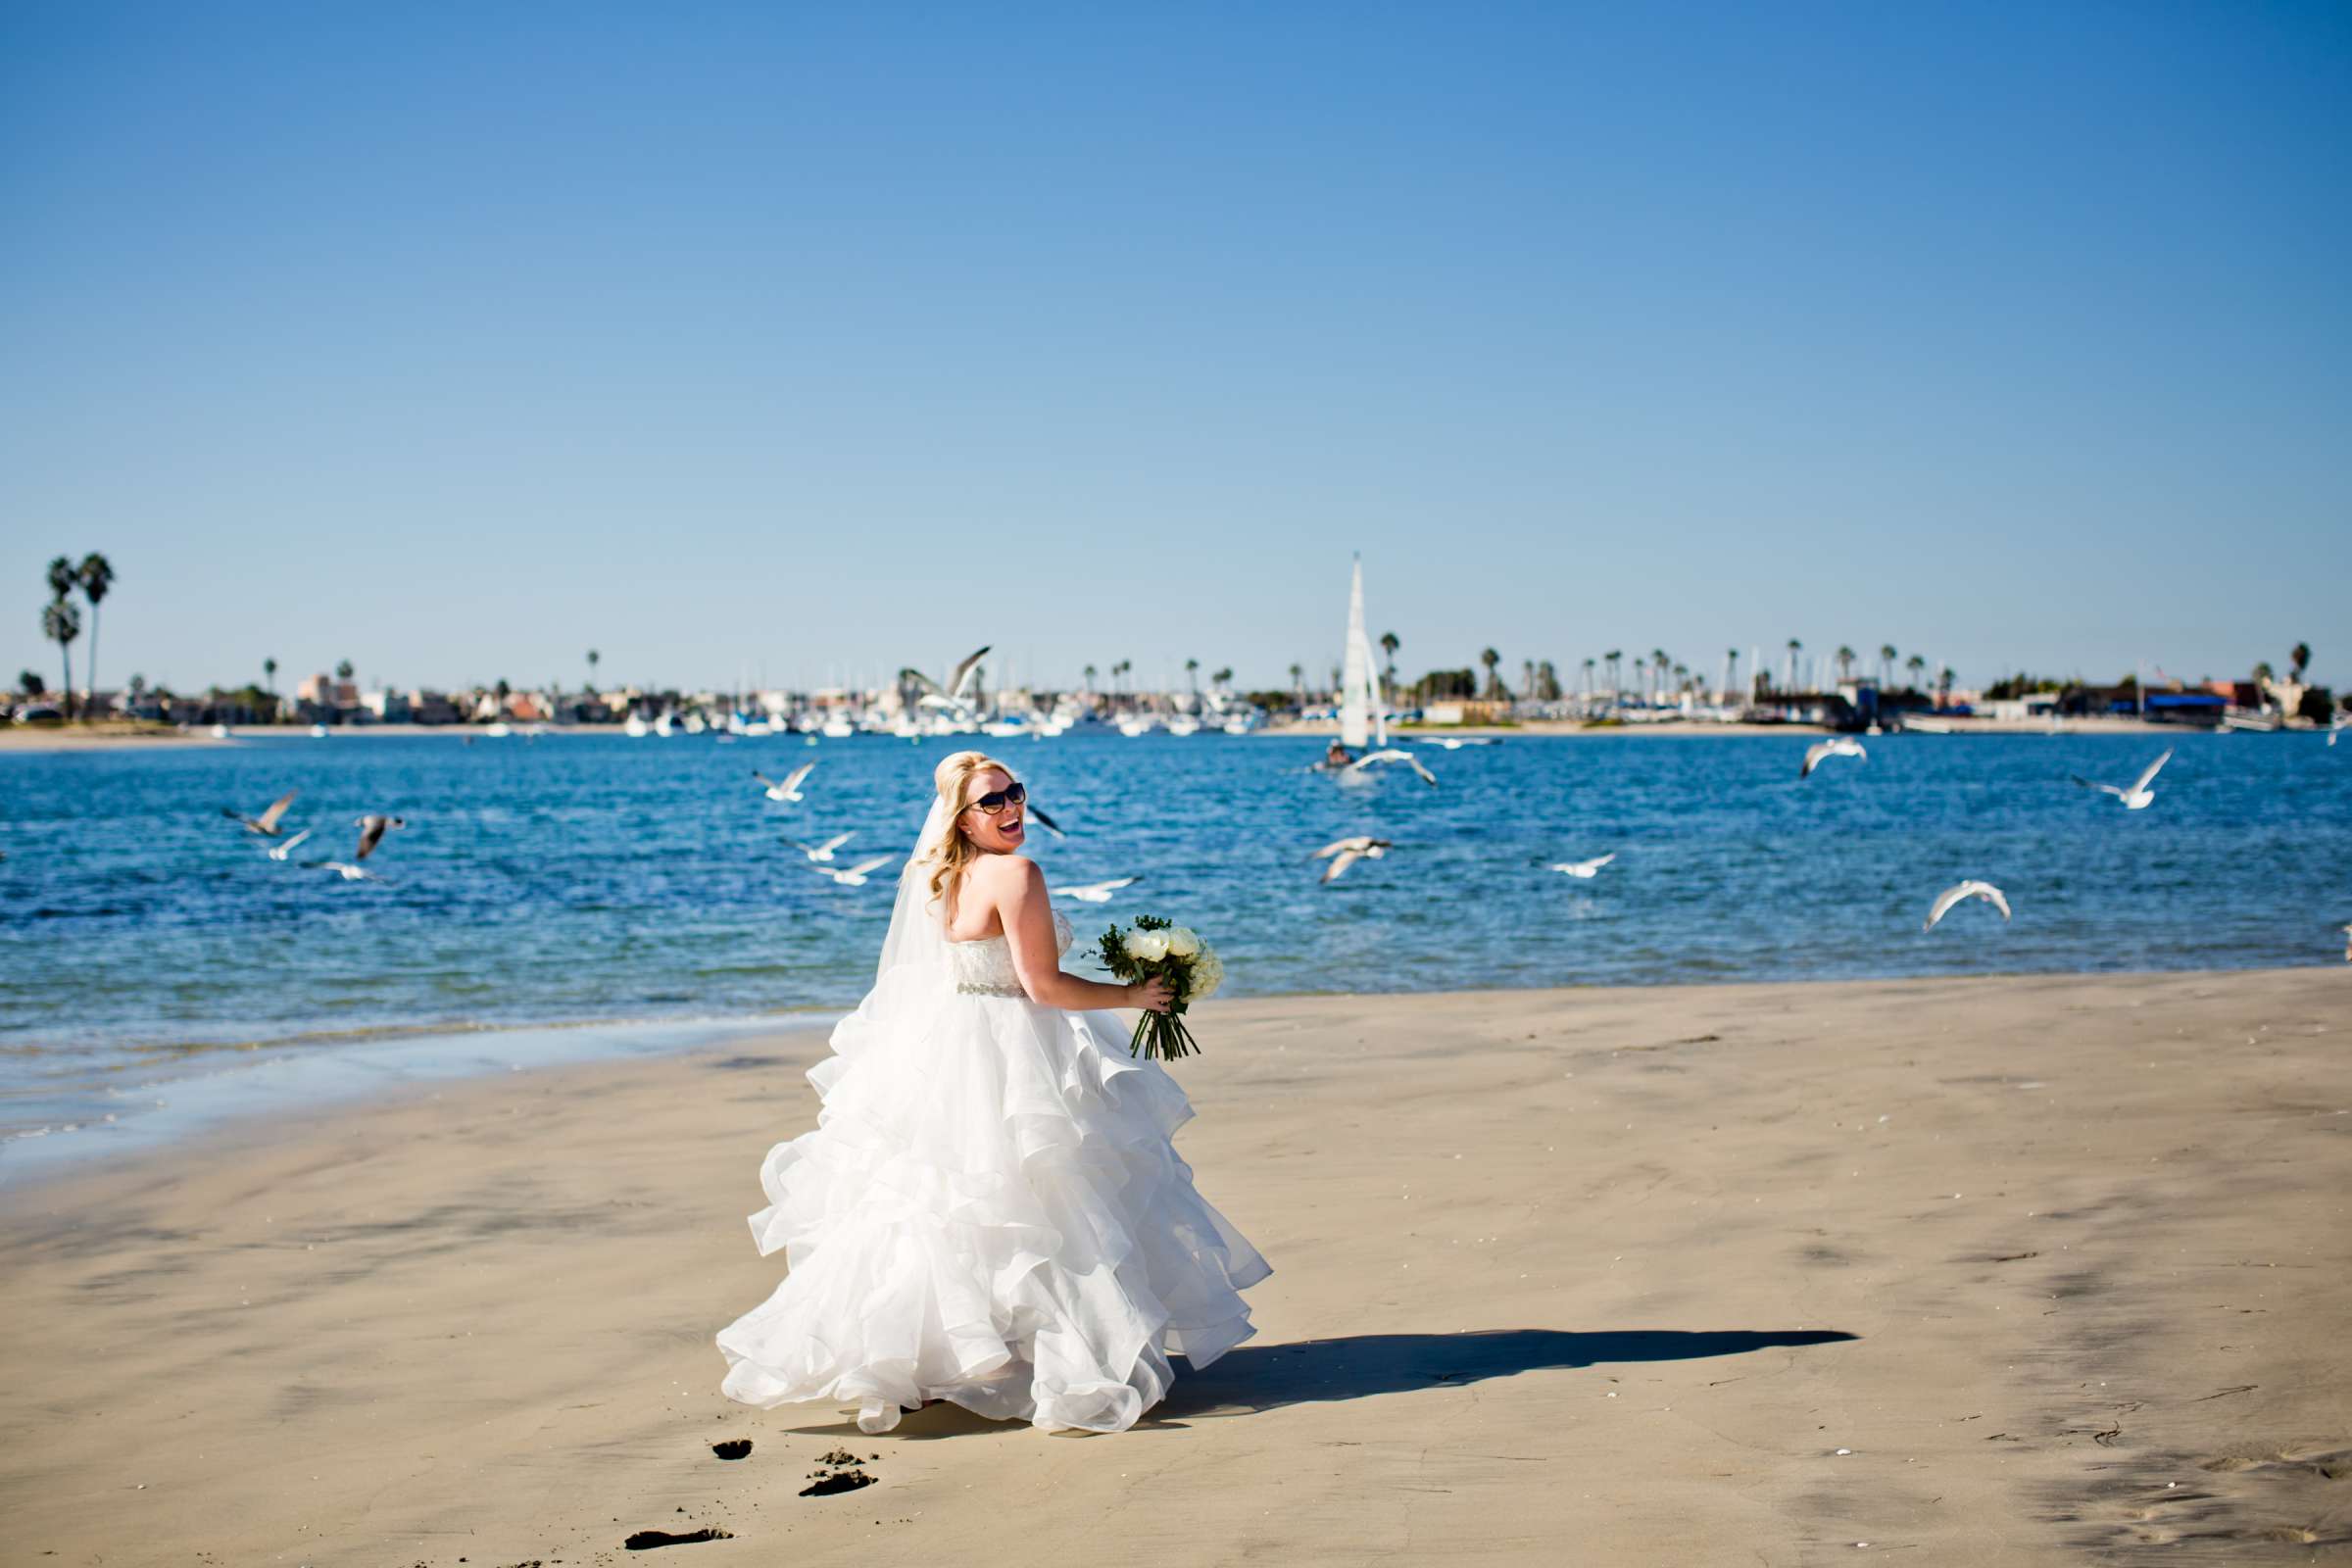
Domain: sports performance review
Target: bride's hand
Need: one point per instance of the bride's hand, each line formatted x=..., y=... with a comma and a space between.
x=1153, y=995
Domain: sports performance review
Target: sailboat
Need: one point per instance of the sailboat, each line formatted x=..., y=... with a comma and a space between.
x=1363, y=718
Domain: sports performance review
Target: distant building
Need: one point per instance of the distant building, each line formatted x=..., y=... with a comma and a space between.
x=385, y=707
x=431, y=708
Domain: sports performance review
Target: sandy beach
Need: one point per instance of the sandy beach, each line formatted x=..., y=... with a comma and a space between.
x=1978, y=1271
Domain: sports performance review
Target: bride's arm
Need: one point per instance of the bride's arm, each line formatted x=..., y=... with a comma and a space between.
x=1027, y=914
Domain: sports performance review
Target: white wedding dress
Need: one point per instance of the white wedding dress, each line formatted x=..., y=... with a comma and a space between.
x=990, y=1212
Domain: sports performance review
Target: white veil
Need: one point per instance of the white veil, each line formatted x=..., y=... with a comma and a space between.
x=910, y=979
x=914, y=936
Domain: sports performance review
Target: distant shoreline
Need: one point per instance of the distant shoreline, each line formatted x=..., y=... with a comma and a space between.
x=26, y=740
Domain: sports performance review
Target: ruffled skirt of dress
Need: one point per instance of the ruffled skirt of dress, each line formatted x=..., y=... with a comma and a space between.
x=990, y=1212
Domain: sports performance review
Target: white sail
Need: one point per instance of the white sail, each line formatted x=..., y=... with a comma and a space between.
x=1362, y=718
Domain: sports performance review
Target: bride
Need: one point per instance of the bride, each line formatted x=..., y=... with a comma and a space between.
x=990, y=1210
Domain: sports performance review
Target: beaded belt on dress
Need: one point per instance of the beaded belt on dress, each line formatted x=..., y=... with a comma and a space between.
x=977, y=987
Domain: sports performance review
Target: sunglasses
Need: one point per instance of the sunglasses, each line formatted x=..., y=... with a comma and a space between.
x=996, y=801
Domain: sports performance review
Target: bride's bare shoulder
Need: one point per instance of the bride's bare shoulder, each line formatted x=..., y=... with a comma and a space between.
x=1005, y=873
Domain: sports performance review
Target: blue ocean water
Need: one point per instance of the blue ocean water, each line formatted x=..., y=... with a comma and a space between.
x=600, y=879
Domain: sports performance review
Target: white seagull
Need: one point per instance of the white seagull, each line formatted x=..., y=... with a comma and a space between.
x=963, y=675
x=279, y=851
x=371, y=832
x=2139, y=795
x=351, y=873
x=1839, y=746
x=1960, y=892
x=2335, y=728
x=854, y=876
x=824, y=851
x=1094, y=892
x=1344, y=853
x=1584, y=871
x=1391, y=755
x=1454, y=743
x=265, y=824
x=790, y=788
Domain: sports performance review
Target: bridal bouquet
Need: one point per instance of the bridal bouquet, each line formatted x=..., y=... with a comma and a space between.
x=1156, y=949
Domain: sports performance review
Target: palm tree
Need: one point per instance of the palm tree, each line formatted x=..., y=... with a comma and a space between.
x=1090, y=679
x=62, y=578
x=1641, y=678
x=1388, y=644
x=1616, y=678
x=1490, y=657
x=343, y=670
x=2299, y=659
x=1587, y=675
x=1794, y=648
x=61, y=624
x=1916, y=665
x=593, y=657
x=1297, y=684
x=1845, y=664
x=1192, y=675
x=1220, y=678
x=1730, y=671
x=1885, y=665
x=96, y=574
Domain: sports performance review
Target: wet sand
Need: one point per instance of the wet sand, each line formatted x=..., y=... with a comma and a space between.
x=2024, y=1271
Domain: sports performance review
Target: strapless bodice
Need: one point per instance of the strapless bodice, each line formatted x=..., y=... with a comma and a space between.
x=985, y=967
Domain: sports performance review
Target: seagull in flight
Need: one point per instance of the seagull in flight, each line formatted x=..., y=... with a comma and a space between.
x=1356, y=767
x=279, y=851
x=1344, y=853
x=2335, y=728
x=1454, y=743
x=1094, y=892
x=964, y=673
x=351, y=873
x=2138, y=797
x=265, y=824
x=1960, y=893
x=1585, y=870
x=371, y=832
x=824, y=851
x=856, y=875
x=1839, y=745
x=1030, y=810
x=790, y=788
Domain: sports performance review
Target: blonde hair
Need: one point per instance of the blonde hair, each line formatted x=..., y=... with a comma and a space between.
x=955, y=851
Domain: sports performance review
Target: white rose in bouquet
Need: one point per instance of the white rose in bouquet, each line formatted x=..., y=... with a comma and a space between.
x=1183, y=941
x=1148, y=946
x=1208, y=973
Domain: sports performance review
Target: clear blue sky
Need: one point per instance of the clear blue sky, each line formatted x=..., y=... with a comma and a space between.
x=454, y=339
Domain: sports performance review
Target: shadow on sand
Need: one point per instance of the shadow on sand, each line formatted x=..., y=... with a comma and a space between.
x=1254, y=1378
